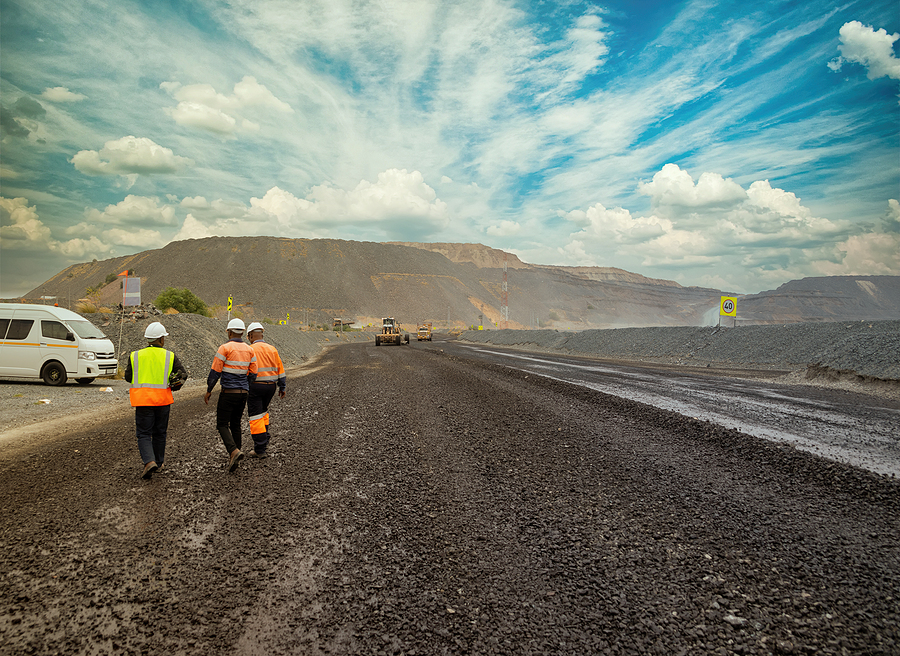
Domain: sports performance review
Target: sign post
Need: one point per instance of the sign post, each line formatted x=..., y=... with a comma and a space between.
x=727, y=308
x=122, y=318
x=229, y=308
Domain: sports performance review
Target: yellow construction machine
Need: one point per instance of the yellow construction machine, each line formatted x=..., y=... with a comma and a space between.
x=391, y=333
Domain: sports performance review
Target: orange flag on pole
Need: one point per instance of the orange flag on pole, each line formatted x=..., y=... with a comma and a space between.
x=124, y=273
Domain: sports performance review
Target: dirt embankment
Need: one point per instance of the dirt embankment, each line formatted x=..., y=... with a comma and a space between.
x=865, y=350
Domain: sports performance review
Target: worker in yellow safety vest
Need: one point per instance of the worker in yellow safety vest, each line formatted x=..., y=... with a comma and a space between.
x=153, y=373
x=270, y=373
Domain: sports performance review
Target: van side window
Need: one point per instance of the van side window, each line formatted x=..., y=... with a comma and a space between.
x=19, y=328
x=4, y=324
x=53, y=330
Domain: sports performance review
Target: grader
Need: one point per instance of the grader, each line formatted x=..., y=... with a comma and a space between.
x=391, y=333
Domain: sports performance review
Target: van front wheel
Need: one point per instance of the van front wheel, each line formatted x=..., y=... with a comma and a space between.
x=84, y=381
x=54, y=374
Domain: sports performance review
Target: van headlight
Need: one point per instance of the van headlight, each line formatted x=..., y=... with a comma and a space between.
x=87, y=355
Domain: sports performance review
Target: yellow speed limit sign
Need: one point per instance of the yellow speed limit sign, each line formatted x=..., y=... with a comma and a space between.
x=728, y=307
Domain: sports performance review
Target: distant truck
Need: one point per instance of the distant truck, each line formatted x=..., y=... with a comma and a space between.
x=424, y=332
x=391, y=333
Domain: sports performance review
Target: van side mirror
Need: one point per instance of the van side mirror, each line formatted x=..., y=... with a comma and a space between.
x=70, y=336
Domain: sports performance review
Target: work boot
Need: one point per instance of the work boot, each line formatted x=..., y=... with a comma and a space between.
x=254, y=454
x=149, y=468
x=236, y=457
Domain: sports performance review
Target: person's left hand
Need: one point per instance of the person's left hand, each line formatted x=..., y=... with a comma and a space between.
x=206, y=397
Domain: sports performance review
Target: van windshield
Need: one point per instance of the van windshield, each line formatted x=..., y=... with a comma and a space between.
x=86, y=330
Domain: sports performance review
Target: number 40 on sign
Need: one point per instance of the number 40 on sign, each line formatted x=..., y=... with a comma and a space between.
x=728, y=306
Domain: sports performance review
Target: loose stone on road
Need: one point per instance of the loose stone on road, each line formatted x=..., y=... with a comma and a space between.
x=420, y=503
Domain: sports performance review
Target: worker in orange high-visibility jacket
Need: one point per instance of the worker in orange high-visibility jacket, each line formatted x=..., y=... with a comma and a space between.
x=153, y=373
x=235, y=365
x=270, y=373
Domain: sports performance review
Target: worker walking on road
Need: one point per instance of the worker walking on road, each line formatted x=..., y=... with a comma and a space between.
x=235, y=365
x=270, y=373
x=153, y=373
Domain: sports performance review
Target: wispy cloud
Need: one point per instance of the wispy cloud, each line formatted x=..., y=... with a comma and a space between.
x=697, y=141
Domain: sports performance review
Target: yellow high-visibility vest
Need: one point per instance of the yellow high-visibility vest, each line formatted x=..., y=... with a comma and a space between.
x=150, y=371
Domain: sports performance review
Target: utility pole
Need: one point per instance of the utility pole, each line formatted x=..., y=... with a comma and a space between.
x=504, y=298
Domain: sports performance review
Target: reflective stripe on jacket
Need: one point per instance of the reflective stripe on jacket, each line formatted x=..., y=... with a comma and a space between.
x=150, y=371
x=234, y=362
x=271, y=369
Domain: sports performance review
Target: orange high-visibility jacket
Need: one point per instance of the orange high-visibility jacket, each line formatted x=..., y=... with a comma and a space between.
x=234, y=361
x=270, y=367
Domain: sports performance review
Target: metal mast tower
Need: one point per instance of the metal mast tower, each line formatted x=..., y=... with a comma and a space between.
x=504, y=298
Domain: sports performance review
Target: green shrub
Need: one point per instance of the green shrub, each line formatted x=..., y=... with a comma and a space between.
x=183, y=300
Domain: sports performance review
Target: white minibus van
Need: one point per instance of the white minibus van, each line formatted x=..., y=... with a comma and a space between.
x=41, y=341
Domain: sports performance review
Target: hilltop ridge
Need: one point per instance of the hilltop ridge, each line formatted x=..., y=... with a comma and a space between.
x=451, y=285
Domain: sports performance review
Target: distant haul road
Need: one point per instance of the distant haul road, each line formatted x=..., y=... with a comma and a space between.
x=436, y=499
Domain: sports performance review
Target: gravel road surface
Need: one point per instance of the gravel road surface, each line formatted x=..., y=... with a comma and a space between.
x=418, y=503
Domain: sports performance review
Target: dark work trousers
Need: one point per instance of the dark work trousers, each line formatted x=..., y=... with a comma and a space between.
x=229, y=413
x=152, y=424
x=258, y=407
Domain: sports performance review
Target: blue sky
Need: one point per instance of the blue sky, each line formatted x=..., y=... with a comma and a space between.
x=726, y=144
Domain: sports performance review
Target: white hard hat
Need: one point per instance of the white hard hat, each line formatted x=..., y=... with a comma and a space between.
x=236, y=325
x=155, y=330
x=256, y=325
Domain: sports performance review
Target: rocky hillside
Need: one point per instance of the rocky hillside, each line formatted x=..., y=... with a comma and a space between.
x=451, y=285
x=832, y=298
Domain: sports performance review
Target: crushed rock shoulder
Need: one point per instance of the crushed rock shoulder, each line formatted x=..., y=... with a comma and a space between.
x=863, y=352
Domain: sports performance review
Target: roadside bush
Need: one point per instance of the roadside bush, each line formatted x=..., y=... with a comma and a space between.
x=183, y=300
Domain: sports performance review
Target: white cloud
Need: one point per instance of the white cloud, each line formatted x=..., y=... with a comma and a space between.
x=198, y=115
x=250, y=93
x=861, y=44
x=604, y=226
x=22, y=230
x=768, y=236
x=398, y=203
x=398, y=196
x=673, y=186
x=142, y=239
x=201, y=106
x=134, y=210
x=129, y=156
x=76, y=249
x=584, y=50
x=193, y=228
x=504, y=229
x=20, y=226
x=62, y=95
